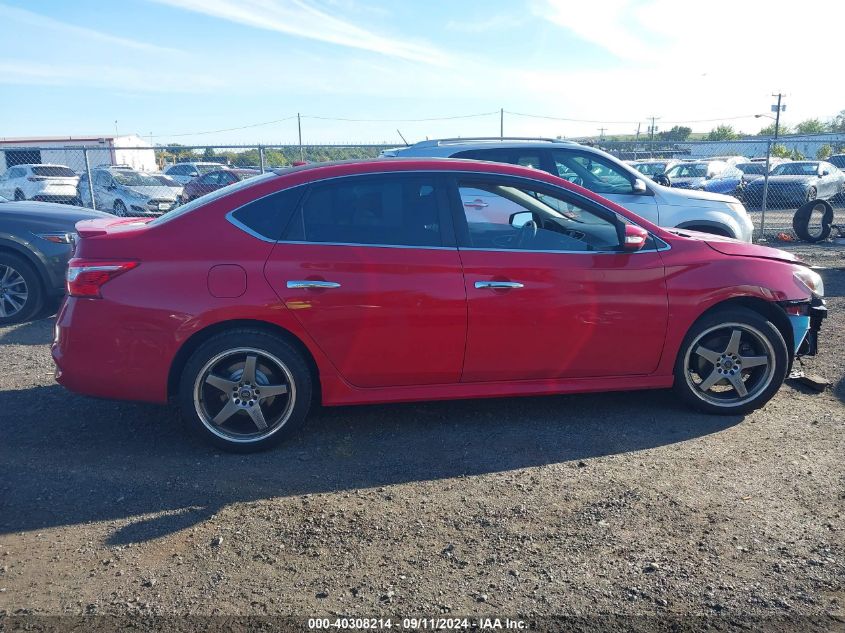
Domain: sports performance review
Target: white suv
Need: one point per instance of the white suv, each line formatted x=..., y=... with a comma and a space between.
x=603, y=174
x=184, y=173
x=44, y=183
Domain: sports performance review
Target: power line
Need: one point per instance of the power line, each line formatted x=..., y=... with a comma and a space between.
x=437, y=118
x=230, y=129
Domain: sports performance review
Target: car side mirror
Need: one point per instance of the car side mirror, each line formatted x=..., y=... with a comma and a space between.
x=521, y=218
x=826, y=173
x=635, y=238
x=639, y=186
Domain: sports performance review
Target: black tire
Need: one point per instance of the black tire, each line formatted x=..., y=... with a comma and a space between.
x=276, y=362
x=19, y=195
x=712, y=230
x=32, y=287
x=50, y=307
x=120, y=209
x=804, y=214
x=708, y=335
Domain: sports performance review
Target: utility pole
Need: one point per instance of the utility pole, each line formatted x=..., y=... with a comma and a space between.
x=299, y=130
x=778, y=108
x=636, y=141
x=652, y=129
x=601, y=134
x=501, y=123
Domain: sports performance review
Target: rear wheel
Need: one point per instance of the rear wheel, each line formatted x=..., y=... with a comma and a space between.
x=731, y=362
x=120, y=208
x=21, y=295
x=245, y=390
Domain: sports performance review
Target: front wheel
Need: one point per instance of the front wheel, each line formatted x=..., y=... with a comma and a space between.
x=120, y=209
x=731, y=362
x=21, y=295
x=245, y=390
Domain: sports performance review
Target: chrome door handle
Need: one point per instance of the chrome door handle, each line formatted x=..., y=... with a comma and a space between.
x=477, y=204
x=497, y=285
x=312, y=284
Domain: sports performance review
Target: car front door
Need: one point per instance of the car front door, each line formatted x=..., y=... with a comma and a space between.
x=369, y=267
x=549, y=292
x=607, y=179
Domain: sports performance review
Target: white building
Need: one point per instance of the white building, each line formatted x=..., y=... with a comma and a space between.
x=129, y=150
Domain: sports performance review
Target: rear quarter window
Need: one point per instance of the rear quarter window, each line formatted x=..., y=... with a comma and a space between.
x=267, y=217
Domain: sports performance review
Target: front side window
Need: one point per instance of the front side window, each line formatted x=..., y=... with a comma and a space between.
x=593, y=172
x=390, y=210
x=501, y=215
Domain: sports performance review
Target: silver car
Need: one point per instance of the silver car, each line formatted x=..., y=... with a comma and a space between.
x=127, y=192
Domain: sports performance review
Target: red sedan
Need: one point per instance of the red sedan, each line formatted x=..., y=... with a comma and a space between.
x=214, y=180
x=401, y=280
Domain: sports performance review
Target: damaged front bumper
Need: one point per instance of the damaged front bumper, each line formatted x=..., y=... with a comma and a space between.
x=806, y=318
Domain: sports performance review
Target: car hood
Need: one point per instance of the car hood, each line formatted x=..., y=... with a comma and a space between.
x=49, y=211
x=692, y=198
x=730, y=246
x=154, y=192
x=792, y=180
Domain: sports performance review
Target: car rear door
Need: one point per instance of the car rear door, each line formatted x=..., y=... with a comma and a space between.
x=369, y=267
x=557, y=299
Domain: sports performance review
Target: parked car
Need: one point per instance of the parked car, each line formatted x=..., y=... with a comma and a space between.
x=603, y=174
x=794, y=183
x=36, y=241
x=652, y=167
x=361, y=282
x=214, y=180
x=731, y=160
x=184, y=173
x=43, y=183
x=752, y=171
x=127, y=192
x=838, y=161
x=707, y=175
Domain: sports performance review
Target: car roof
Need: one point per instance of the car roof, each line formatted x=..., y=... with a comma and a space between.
x=38, y=165
x=448, y=146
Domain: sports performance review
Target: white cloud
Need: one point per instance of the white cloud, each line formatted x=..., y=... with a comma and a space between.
x=12, y=15
x=306, y=19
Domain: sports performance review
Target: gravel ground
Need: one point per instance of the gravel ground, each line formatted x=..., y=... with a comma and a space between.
x=612, y=503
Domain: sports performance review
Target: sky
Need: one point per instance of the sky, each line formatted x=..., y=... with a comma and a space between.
x=189, y=71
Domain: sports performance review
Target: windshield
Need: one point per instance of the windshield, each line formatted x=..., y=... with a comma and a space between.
x=796, y=169
x=167, y=181
x=650, y=169
x=688, y=170
x=53, y=172
x=211, y=197
x=136, y=179
x=752, y=168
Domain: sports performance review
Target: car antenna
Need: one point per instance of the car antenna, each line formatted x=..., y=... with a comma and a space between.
x=407, y=144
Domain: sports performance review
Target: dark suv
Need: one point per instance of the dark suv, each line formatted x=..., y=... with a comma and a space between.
x=36, y=242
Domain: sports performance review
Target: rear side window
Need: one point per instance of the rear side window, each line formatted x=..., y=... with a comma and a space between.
x=268, y=216
x=56, y=172
x=524, y=158
x=389, y=210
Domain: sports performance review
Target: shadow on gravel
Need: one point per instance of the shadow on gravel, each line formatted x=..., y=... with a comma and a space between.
x=38, y=332
x=68, y=459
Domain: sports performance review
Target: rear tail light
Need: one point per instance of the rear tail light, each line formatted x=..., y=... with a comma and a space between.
x=85, y=278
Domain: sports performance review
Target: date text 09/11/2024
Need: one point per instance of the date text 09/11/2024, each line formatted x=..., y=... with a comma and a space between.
x=417, y=624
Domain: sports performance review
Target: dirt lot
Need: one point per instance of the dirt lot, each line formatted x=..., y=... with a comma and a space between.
x=615, y=503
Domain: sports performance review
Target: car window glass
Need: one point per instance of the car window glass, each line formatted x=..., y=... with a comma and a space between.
x=512, y=156
x=505, y=216
x=208, y=179
x=267, y=217
x=102, y=179
x=396, y=209
x=593, y=172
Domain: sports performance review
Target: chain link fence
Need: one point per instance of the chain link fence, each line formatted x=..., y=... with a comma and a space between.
x=771, y=177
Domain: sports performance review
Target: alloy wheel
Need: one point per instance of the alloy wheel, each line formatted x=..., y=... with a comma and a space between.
x=13, y=291
x=729, y=364
x=244, y=395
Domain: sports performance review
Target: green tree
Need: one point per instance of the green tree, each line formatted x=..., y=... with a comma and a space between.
x=824, y=152
x=811, y=126
x=208, y=154
x=722, y=133
x=838, y=122
x=769, y=130
x=677, y=133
